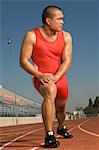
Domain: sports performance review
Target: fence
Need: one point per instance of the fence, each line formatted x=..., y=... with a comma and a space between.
x=21, y=107
x=9, y=110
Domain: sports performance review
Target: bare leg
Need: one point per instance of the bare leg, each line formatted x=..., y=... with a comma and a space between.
x=49, y=93
x=47, y=113
x=60, y=112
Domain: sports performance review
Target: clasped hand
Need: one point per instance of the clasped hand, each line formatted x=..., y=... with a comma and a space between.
x=47, y=78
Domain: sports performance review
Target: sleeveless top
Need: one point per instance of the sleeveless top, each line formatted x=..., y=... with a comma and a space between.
x=47, y=55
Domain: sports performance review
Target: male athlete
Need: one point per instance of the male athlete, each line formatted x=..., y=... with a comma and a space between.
x=50, y=49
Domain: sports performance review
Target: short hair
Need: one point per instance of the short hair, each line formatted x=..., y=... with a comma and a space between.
x=48, y=12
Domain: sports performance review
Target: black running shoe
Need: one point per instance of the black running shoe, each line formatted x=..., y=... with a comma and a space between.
x=50, y=140
x=64, y=133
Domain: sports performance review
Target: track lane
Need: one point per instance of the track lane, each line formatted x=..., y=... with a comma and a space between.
x=33, y=136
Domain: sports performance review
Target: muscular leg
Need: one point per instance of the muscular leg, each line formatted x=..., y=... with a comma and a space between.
x=60, y=112
x=49, y=92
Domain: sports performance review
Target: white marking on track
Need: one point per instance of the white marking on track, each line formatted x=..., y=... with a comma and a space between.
x=19, y=138
x=34, y=148
x=59, y=135
x=42, y=144
x=86, y=131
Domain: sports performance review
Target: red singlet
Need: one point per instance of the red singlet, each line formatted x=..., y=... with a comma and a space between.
x=47, y=56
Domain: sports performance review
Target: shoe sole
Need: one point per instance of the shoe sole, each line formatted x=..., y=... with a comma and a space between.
x=68, y=137
x=52, y=146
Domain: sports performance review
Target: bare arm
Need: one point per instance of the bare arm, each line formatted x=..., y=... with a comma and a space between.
x=26, y=52
x=66, y=57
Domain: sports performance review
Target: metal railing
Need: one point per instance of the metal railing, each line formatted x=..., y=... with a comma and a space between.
x=9, y=110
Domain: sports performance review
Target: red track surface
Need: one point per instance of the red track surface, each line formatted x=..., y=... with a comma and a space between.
x=31, y=137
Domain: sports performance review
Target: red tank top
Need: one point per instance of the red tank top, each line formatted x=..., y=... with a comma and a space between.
x=47, y=55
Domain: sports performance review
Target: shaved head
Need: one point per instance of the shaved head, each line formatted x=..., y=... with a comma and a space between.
x=49, y=12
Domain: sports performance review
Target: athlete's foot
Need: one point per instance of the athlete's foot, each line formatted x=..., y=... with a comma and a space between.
x=50, y=140
x=63, y=132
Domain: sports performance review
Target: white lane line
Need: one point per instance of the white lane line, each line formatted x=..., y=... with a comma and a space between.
x=13, y=130
x=30, y=133
x=42, y=144
x=68, y=130
x=20, y=138
x=73, y=128
x=37, y=148
x=86, y=131
x=34, y=148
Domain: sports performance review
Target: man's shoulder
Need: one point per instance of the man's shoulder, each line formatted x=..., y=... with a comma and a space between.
x=30, y=34
x=67, y=35
x=30, y=37
x=32, y=31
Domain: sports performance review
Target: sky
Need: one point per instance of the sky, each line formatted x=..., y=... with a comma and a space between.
x=81, y=19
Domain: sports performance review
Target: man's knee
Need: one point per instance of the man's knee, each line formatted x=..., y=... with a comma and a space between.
x=49, y=91
x=51, y=88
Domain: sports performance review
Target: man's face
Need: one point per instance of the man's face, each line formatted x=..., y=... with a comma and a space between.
x=56, y=22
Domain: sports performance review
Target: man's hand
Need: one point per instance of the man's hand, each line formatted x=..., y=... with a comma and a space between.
x=47, y=78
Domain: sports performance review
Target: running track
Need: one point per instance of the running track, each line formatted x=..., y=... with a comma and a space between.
x=31, y=137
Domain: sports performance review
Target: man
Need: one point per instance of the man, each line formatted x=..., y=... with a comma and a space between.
x=51, y=51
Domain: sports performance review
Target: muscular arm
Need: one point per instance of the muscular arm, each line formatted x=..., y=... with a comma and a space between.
x=66, y=57
x=26, y=52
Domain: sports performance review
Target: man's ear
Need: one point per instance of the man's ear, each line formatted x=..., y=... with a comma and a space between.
x=48, y=21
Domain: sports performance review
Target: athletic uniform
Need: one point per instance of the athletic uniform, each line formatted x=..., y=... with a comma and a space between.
x=47, y=56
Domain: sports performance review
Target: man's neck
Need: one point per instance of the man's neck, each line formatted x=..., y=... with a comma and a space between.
x=48, y=31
